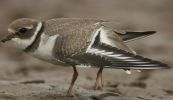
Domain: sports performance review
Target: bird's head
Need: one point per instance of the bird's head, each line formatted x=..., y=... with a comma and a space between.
x=23, y=32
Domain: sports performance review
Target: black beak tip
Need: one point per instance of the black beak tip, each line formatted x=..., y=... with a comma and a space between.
x=7, y=38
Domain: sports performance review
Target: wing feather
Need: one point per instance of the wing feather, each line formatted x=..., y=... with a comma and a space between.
x=101, y=54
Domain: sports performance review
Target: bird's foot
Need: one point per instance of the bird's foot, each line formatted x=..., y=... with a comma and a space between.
x=98, y=86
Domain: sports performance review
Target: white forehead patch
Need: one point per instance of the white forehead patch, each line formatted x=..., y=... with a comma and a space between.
x=11, y=30
x=24, y=43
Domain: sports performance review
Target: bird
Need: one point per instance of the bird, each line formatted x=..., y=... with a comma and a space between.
x=88, y=42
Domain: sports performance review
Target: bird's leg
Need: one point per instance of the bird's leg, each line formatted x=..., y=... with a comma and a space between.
x=99, y=80
x=75, y=75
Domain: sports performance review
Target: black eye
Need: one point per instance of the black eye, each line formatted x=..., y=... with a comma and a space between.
x=23, y=30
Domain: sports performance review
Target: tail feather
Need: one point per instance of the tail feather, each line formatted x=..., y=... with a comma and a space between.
x=129, y=36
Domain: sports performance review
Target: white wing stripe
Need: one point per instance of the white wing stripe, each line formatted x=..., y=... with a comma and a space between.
x=110, y=54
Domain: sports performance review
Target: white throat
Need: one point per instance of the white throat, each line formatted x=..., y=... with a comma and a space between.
x=24, y=43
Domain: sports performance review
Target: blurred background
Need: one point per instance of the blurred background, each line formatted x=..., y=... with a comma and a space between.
x=152, y=15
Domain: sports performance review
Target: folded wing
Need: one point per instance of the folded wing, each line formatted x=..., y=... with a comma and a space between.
x=130, y=36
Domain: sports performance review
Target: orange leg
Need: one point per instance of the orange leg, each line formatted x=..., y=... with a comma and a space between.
x=75, y=75
x=99, y=80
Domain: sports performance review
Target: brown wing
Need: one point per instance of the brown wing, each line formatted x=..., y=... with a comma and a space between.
x=75, y=35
